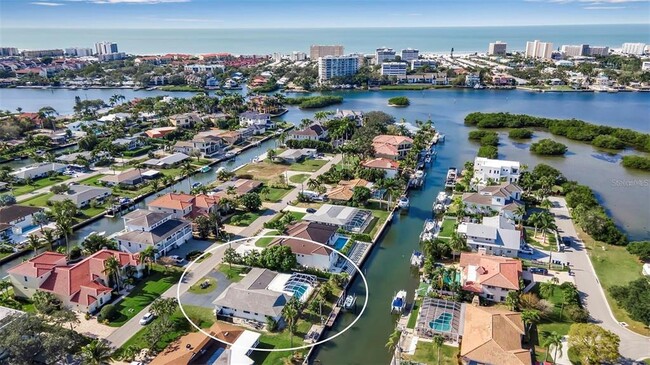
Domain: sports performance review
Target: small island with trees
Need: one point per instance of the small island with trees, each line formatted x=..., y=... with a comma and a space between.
x=399, y=101
x=313, y=102
x=548, y=147
x=520, y=133
x=636, y=162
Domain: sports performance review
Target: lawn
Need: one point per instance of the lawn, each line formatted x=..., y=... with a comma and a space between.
x=243, y=219
x=196, y=288
x=233, y=273
x=145, y=292
x=308, y=165
x=614, y=266
x=38, y=201
x=38, y=184
x=171, y=172
x=414, y=314
x=276, y=194
x=90, y=212
x=299, y=179
x=537, y=241
x=262, y=170
x=93, y=180
x=425, y=352
x=263, y=242
x=380, y=217
x=448, y=228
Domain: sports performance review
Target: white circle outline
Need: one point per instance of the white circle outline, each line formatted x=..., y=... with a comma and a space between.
x=363, y=277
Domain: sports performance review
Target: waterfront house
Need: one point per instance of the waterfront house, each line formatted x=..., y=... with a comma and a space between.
x=348, y=218
x=254, y=297
x=309, y=254
x=344, y=191
x=83, y=286
x=391, y=146
x=144, y=228
x=356, y=116
x=80, y=125
x=128, y=143
x=234, y=348
x=18, y=218
x=503, y=199
x=495, y=235
x=159, y=132
x=130, y=177
x=232, y=137
x=390, y=167
x=207, y=144
x=247, y=119
x=242, y=186
x=38, y=170
x=72, y=158
x=167, y=161
x=314, y=132
x=490, y=277
x=434, y=78
x=486, y=169
x=185, y=205
x=83, y=195
x=186, y=120
x=472, y=79
x=295, y=155
x=493, y=335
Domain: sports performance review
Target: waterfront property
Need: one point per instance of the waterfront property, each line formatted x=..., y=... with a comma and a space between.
x=159, y=132
x=486, y=169
x=314, y=132
x=390, y=167
x=391, y=146
x=495, y=235
x=184, y=205
x=349, y=218
x=167, y=161
x=241, y=187
x=295, y=155
x=83, y=286
x=38, y=170
x=263, y=120
x=503, y=199
x=128, y=143
x=493, y=335
x=337, y=66
x=130, y=177
x=307, y=253
x=491, y=277
x=344, y=191
x=205, y=143
x=440, y=317
x=144, y=228
x=197, y=348
x=186, y=120
x=83, y=195
x=17, y=220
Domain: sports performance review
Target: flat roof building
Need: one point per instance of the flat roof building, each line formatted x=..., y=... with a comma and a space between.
x=337, y=66
x=497, y=48
x=317, y=51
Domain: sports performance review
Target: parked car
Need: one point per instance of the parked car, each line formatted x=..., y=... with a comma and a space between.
x=527, y=250
x=147, y=318
x=538, y=270
x=177, y=259
x=566, y=241
x=311, y=210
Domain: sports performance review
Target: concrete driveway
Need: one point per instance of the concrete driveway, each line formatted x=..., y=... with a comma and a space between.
x=205, y=300
x=633, y=346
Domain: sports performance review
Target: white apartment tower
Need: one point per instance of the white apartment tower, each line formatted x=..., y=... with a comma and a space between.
x=105, y=48
x=335, y=66
x=539, y=49
x=633, y=48
x=317, y=51
x=384, y=54
x=410, y=54
x=575, y=50
x=394, y=68
x=598, y=50
x=497, y=48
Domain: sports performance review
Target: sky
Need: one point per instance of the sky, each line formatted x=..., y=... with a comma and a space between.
x=101, y=14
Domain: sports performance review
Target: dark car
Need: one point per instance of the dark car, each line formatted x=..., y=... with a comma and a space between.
x=538, y=270
x=311, y=210
x=566, y=241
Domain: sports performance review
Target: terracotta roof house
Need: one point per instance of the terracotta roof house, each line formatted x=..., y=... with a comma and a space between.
x=493, y=335
x=185, y=205
x=391, y=167
x=145, y=228
x=159, y=132
x=310, y=254
x=83, y=286
x=491, y=277
x=196, y=348
x=344, y=191
x=392, y=147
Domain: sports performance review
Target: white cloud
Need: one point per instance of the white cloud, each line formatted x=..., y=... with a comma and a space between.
x=603, y=7
x=146, y=2
x=41, y=3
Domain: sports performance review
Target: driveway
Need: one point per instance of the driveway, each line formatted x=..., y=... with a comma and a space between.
x=633, y=346
x=205, y=300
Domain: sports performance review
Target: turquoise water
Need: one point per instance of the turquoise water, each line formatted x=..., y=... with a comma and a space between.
x=267, y=41
x=448, y=279
x=442, y=323
x=299, y=290
x=340, y=242
x=213, y=359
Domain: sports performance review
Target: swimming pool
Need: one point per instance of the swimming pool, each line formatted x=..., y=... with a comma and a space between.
x=340, y=242
x=442, y=323
x=449, y=281
x=299, y=290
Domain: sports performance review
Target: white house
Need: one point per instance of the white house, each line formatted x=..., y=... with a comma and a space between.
x=20, y=218
x=496, y=170
x=495, y=235
x=186, y=120
x=309, y=254
x=248, y=119
x=82, y=195
x=349, y=218
x=314, y=132
x=38, y=170
x=129, y=143
x=144, y=228
x=491, y=277
x=503, y=198
x=390, y=167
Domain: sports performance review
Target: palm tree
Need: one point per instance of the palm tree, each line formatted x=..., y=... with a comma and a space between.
x=48, y=113
x=547, y=222
x=231, y=190
x=546, y=204
x=113, y=269
x=438, y=341
x=393, y=340
x=546, y=289
x=322, y=115
x=552, y=339
x=457, y=244
x=98, y=352
x=64, y=225
x=512, y=300
x=569, y=293
x=529, y=317
x=33, y=243
x=148, y=255
x=520, y=212
x=4, y=288
x=290, y=313
x=187, y=170
x=535, y=220
x=313, y=184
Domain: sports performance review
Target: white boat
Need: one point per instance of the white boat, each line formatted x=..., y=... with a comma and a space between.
x=230, y=154
x=426, y=236
x=196, y=185
x=349, y=301
x=220, y=169
x=398, y=303
x=439, y=208
x=450, y=182
x=205, y=169
x=419, y=174
x=441, y=198
x=417, y=259
x=429, y=225
x=403, y=202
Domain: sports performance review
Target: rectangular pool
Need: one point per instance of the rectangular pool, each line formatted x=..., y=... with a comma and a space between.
x=340, y=242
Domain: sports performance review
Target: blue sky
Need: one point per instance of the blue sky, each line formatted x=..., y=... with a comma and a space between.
x=315, y=13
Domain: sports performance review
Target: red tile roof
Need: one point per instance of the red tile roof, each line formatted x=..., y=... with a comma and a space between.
x=502, y=272
x=381, y=163
x=173, y=201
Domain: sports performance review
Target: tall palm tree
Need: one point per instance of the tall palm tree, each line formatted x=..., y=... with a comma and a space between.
x=520, y=212
x=33, y=243
x=4, y=287
x=49, y=238
x=512, y=300
x=552, y=339
x=148, y=255
x=313, y=184
x=457, y=244
x=529, y=317
x=187, y=170
x=64, y=225
x=98, y=352
x=438, y=341
x=290, y=313
x=535, y=220
x=547, y=222
x=112, y=269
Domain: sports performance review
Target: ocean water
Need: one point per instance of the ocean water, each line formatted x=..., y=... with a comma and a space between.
x=266, y=41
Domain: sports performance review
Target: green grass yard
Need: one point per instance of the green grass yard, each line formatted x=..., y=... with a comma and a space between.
x=300, y=178
x=276, y=194
x=243, y=219
x=93, y=180
x=38, y=200
x=380, y=217
x=448, y=228
x=197, y=289
x=308, y=165
x=264, y=241
x=38, y=184
x=414, y=314
x=426, y=353
x=233, y=273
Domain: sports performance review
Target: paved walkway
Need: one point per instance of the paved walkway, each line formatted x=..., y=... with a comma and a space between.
x=633, y=346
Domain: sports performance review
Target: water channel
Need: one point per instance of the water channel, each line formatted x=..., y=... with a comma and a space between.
x=387, y=267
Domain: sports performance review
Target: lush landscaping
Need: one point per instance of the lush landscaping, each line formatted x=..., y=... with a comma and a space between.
x=38, y=200
x=399, y=101
x=264, y=241
x=243, y=219
x=636, y=162
x=548, y=147
x=448, y=228
x=520, y=133
x=312, y=102
x=146, y=291
x=414, y=314
x=488, y=140
x=198, y=289
x=234, y=273
x=185, y=88
x=308, y=165
x=38, y=184
x=427, y=353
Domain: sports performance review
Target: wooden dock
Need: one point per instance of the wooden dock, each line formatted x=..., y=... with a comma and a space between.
x=332, y=317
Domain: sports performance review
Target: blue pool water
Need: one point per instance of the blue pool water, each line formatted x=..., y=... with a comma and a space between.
x=340, y=242
x=448, y=280
x=442, y=323
x=299, y=290
x=213, y=359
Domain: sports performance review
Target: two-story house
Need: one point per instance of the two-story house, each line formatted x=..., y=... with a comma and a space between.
x=495, y=235
x=309, y=254
x=18, y=218
x=185, y=205
x=247, y=119
x=503, y=198
x=491, y=277
x=392, y=147
x=207, y=145
x=144, y=228
x=83, y=286
x=390, y=167
x=128, y=143
x=314, y=132
x=186, y=120
x=486, y=169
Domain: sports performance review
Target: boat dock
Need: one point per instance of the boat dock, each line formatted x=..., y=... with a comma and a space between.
x=332, y=317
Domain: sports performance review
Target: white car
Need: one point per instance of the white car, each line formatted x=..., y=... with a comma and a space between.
x=177, y=259
x=147, y=318
x=527, y=250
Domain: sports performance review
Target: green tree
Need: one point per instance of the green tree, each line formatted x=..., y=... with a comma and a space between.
x=593, y=344
x=203, y=226
x=457, y=244
x=555, y=340
x=290, y=313
x=95, y=242
x=512, y=300
x=33, y=243
x=361, y=194
x=113, y=271
x=393, y=340
x=148, y=256
x=230, y=256
x=530, y=317
x=63, y=213
x=164, y=308
x=438, y=341
x=251, y=201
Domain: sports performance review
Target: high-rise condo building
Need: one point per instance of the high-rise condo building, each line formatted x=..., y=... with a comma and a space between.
x=384, y=54
x=539, y=49
x=79, y=51
x=105, y=48
x=575, y=50
x=598, y=50
x=393, y=68
x=318, y=51
x=410, y=54
x=497, y=48
x=336, y=66
x=633, y=48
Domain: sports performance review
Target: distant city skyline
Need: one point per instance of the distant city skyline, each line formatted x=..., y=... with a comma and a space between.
x=221, y=14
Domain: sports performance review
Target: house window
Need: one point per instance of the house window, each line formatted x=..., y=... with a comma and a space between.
x=247, y=312
x=490, y=296
x=503, y=299
x=25, y=278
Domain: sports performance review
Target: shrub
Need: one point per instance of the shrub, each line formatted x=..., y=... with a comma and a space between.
x=640, y=248
x=490, y=140
x=107, y=313
x=310, y=102
x=636, y=162
x=548, y=147
x=399, y=101
x=520, y=133
x=577, y=314
x=606, y=141
x=193, y=254
x=488, y=152
x=635, y=298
